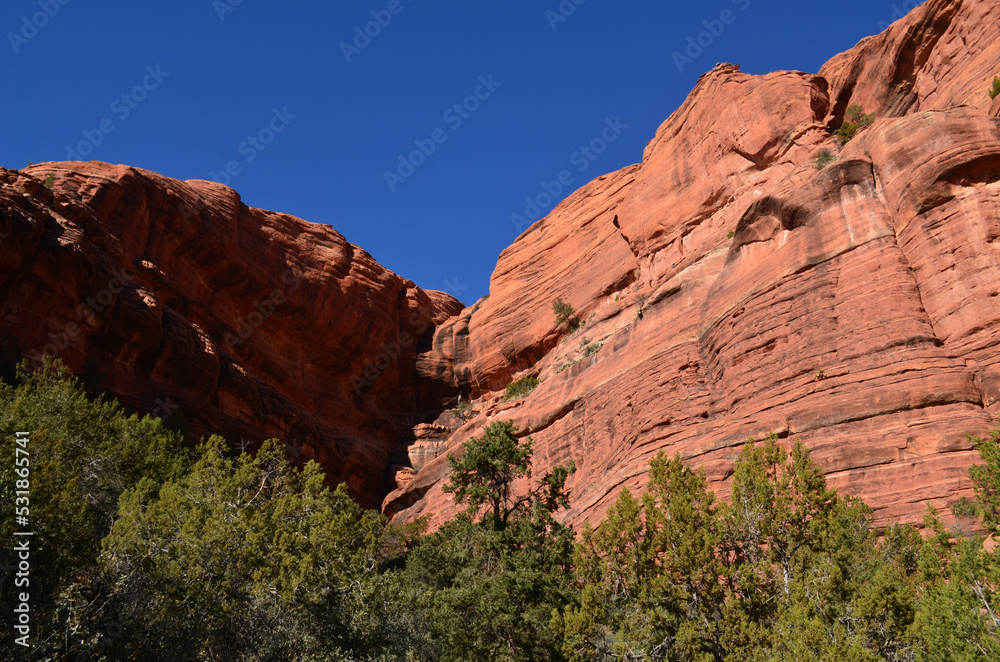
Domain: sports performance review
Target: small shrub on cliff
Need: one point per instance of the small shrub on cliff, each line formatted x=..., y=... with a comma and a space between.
x=824, y=158
x=996, y=87
x=855, y=119
x=564, y=313
x=521, y=388
x=462, y=410
x=49, y=180
x=562, y=310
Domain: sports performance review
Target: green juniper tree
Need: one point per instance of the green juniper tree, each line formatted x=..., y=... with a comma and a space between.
x=143, y=550
x=265, y=558
x=958, y=615
x=492, y=576
x=83, y=455
x=652, y=576
x=787, y=570
x=564, y=313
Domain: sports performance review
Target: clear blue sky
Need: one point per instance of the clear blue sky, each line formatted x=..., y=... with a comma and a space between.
x=200, y=77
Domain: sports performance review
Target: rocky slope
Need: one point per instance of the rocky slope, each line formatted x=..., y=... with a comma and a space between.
x=180, y=300
x=728, y=287
x=733, y=289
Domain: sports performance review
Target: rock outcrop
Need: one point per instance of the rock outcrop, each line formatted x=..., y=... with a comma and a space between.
x=728, y=287
x=182, y=301
x=731, y=288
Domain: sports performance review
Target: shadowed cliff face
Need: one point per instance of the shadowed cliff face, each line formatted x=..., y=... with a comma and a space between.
x=180, y=300
x=854, y=307
x=728, y=287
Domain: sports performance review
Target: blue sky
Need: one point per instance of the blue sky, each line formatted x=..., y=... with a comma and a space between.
x=486, y=103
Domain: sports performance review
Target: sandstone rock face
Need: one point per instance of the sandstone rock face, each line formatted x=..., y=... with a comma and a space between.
x=731, y=289
x=180, y=300
x=728, y=288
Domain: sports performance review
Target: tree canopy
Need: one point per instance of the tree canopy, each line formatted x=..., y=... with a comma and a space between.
x=147, y=549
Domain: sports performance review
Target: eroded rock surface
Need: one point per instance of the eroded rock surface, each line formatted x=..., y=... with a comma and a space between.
x=728, y=288
x=182, y=301
x=734, y=289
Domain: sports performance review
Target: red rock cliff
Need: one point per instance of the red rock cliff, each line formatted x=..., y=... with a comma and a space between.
x=731, y=289
x=728, y=287
x=179, y=299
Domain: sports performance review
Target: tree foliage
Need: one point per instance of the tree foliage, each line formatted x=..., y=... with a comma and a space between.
x=564, y=313
x=83, y=455
x=855, y=120
x=146, y=550
x=143, y=550
x=786, y=570
x=986, y=479
x=269, y=557
x=959, y=612
x=493, y=576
